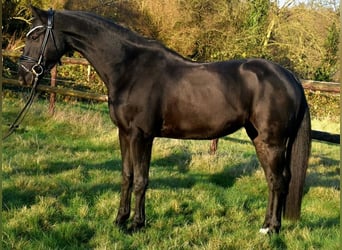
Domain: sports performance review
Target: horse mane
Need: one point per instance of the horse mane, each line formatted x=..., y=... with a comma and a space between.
x=125, y=34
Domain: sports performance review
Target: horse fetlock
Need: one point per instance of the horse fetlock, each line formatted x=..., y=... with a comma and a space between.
x=137, y=225
x=122, y=217
x=270, y=226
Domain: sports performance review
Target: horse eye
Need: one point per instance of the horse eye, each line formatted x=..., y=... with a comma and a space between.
x=34, y=36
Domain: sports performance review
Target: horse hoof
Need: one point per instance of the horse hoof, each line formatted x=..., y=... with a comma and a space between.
x=135, y=227
x=120, y=223
x=264, y=230
x=269, y=231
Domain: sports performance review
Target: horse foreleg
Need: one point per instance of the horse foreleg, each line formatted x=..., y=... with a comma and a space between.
x=127, y=180
x=141, y=155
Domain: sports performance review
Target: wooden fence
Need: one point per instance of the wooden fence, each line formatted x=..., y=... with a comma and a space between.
x=328, y=87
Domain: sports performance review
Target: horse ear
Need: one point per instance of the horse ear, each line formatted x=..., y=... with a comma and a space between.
x=39, y=14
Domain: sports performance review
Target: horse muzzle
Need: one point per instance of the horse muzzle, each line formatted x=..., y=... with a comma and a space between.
x=26, y=77
x=27, y=74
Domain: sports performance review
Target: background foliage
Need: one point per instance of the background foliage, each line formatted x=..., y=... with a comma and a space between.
x=301, y=37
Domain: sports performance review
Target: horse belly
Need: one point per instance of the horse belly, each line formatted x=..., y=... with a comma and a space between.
x=200, y=123
x=187, y=130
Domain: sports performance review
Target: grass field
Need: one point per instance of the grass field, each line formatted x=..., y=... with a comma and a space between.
x=61, y=182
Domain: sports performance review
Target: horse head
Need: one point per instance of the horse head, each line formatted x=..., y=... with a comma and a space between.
x=43, y=49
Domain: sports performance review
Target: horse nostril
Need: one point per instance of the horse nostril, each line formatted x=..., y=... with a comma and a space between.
x=24, y=79
x=21, y=80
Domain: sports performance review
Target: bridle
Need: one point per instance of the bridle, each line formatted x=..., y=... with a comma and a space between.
x=37, y=70
x=39, y=66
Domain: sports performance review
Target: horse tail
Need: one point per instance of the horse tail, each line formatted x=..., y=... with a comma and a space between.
x=299, y=151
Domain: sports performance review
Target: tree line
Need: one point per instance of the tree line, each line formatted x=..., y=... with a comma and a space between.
x=302, y=36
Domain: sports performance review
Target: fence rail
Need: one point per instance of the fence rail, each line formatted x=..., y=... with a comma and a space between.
x=329, y=87
x=62, y=91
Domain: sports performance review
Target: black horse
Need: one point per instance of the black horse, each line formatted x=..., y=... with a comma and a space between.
x=154, y=92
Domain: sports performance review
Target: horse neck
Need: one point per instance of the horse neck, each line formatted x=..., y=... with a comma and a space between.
x=99, y=42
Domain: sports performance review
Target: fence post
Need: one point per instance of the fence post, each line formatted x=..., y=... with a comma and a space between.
x=53, y=95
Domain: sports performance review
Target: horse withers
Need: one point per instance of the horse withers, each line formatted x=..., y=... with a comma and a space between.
x=155, y=92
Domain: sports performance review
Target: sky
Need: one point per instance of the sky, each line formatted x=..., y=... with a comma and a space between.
x=283, y=2
x=332, y=3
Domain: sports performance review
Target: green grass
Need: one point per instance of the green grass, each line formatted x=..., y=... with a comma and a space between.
x=62, y=175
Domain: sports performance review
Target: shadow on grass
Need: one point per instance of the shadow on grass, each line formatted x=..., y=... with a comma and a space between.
x=183, y=178
x=181, y=160
x=277, y=242
x=176, y=165
x=329, y=179
x=59, y=167
x=230, y=174
x=30, y=185
x=322, y=222
x=16, y=198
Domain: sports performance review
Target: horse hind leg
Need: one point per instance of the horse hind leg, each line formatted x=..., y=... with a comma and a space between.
x=272, y=159
x=213, y=146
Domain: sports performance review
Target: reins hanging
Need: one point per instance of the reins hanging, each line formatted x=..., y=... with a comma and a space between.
x=20, y=117
x=37, y=70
